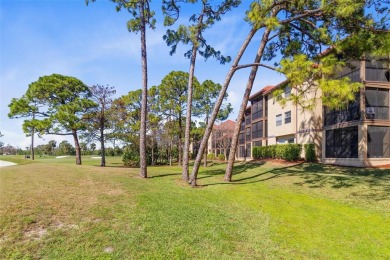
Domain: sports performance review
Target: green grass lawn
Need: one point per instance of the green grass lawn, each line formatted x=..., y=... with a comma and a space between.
x=53, y=209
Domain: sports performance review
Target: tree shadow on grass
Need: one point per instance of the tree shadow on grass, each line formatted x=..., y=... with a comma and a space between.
x=238, y=169
x=164, y=175
x=253, y=178
x=375, y=183
x=369, y=183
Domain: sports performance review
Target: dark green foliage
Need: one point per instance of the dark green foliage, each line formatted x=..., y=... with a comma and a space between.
x=310, y=153
x=130, y=157
x=289, y=152
x=221, y=157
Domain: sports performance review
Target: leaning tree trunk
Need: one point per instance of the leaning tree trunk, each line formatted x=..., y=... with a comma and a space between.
x=252, y=76
x=187, y=138
x=143, y=167
x=77, y=147
x=217, y=106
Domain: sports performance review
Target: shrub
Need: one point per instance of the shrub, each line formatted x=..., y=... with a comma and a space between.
x=292, y=152
x=256, y=152
x=289, y=152
x=210, y=156
x=221, y=157
x=310, y=152
x=280, y=151
x=130, y=158
x=271, y=151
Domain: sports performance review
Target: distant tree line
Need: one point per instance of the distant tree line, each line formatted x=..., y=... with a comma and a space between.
x=63, y=105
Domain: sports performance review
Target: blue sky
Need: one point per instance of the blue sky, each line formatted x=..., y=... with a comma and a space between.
x=92, y=43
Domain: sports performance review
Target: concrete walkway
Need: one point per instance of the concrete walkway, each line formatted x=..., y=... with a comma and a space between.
x=5, y=163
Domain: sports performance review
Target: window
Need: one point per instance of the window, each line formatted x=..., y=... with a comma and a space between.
x=248, y=134
x=342, y=143
x=248, y=150
x=350, y=112
x=242, y=151
x=257, y=108
x=257, y=130
x=377, y=103
x=278, y=119
x=290, y=140
x=378, y=142
x=247, y=119
x=377, y=70
x=287, y=117
x=257, y=143
x=241, y=138
x=287, y=92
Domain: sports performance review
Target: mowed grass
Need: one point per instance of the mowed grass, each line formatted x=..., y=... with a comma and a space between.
x=53, y=209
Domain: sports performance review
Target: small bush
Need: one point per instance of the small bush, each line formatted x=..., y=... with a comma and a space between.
x=292, y=152
x=130, y=158
x=280, y=151
x=210, y=156
x=310, y=152
x=221, y=157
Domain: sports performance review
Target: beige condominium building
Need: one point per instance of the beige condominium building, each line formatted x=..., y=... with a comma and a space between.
x=355, y=135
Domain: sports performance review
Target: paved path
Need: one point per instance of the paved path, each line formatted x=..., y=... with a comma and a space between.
x=5, y=163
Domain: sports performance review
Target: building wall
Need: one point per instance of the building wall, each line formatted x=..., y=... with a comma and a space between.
x=284, y=131
x=307, y=125
x=372, y=78
x=310, y=123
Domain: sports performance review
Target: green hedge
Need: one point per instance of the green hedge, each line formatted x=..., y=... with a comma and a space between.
x=289, y=152
x=310, y=152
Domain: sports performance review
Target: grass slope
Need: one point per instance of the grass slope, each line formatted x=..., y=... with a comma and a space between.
x=52, y=208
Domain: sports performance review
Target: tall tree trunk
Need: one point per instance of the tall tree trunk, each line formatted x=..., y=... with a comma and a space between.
x=217, y=106
x=187, y=136
x=103, y=160
x=77, y=147
x=252, y=76
x=143, y=167
x=32, y=143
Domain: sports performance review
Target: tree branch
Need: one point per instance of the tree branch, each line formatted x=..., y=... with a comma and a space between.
x=255, y=64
